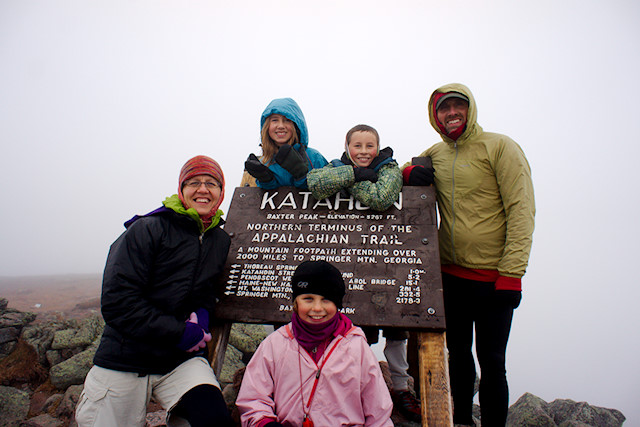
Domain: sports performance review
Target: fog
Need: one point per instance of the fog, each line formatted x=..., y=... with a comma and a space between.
x=102, y=102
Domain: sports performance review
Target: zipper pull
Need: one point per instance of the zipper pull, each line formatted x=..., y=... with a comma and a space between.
x=307, y=421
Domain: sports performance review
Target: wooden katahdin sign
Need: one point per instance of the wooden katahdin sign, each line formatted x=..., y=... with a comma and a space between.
x=389, y=260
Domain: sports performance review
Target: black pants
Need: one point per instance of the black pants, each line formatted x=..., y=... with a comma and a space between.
x=469, y=303
x=204, y=406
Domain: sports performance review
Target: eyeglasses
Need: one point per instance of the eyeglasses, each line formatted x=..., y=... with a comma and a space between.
x=211, y=185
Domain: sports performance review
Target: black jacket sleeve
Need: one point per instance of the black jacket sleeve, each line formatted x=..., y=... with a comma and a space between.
x=126, y=289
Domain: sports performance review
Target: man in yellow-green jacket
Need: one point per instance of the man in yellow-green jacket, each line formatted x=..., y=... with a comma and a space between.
x=486, y=204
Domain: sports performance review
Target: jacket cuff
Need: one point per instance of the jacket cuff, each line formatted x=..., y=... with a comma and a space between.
x=269, y=185
x=406, y=172
x=301, y=183
x=505, y=283
x=263, y=422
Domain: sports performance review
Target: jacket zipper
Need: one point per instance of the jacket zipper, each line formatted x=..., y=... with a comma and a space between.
x=198, y=262
x=453, y=192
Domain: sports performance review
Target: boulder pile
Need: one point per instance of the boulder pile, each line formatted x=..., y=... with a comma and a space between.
x=43, y=365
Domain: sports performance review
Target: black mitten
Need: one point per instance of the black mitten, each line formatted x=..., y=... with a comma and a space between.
x=256, y=169
x=508, y=297
x=365, y=174
x=420, y=175
x=291, y=161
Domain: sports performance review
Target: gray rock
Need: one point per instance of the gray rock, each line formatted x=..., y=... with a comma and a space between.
x=42, y=420
x=230, y=394
x=82, y=335
x=232, y=362
x=15, y=318
x=64, y=339
x=156, y=419
x=530, y=410
x=9, y=334
x=69, y=401
x=3, y=304
x=40, y=337
x=72, y=371
x=52, y=402
x=68, y=353
x=53, y=357
x=14, y=405
x=567, y=413
x=246, y=337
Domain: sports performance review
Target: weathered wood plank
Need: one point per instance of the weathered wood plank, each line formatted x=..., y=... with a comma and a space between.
x=434, y=385
x=218, y=346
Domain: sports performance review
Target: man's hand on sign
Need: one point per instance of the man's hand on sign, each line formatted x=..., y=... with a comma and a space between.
x=418, y=175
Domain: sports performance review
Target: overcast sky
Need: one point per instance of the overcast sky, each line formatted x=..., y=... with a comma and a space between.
x=102, y=102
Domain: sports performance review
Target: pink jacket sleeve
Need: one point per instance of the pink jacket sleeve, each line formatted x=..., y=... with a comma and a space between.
x=376, y=400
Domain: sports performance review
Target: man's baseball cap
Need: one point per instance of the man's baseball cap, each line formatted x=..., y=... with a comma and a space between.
x=450, y=95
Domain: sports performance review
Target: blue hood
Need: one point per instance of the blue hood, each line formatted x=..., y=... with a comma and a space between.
x=289, y=108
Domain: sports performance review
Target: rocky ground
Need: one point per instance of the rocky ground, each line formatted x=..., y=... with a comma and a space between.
x=49, y=331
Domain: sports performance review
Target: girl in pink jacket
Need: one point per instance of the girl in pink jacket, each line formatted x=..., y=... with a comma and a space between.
x=318, y=369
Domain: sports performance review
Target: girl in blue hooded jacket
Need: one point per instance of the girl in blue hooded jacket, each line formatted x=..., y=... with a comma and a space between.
x=286, y=157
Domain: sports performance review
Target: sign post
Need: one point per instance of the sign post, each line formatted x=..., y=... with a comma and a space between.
x=389, y=261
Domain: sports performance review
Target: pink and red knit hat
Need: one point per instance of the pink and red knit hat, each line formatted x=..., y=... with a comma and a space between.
x=202, y=165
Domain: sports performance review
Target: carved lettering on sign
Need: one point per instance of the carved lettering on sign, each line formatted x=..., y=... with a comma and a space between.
x=389, y=260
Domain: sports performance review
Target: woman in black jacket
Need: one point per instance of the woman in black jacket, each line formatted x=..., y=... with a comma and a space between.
x=159, y=287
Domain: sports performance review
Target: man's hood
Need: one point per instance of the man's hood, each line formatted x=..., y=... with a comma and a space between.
x=289, y=108
x=472, y=115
